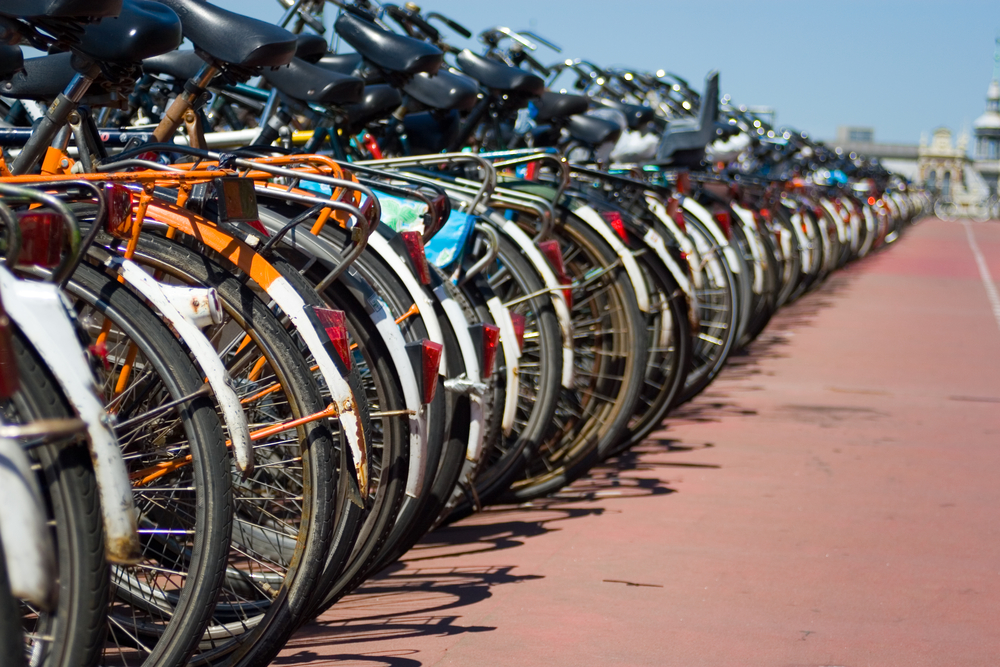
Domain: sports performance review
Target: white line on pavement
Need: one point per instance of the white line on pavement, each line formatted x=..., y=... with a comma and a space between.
x=984, y=272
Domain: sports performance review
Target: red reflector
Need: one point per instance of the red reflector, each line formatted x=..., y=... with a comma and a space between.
x=518, y=320
x=426, y=358
x=42, y=239
x=871, y=201
x=489, y=335
x=614, y=219
x=415, y=247
x=119, y=220
x=683, y=182
x=259, y=226
x=765, y=213
x=334, y=322
x=674, y=210
x=531, y=171
x=725, y=222
x=10, y=381
x=553, y=253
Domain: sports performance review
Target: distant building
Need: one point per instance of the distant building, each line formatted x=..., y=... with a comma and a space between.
x=942, y=166
x=900, y=158
x=987, y=130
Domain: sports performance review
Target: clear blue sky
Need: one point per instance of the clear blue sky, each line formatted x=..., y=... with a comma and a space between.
x=901, y=66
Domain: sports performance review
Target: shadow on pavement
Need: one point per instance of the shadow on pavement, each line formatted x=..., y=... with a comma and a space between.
x=422, y=596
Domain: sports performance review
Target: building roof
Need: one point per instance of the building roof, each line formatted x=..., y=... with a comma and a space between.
x=991, y=119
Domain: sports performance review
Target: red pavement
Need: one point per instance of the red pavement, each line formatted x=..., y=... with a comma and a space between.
x=831, y=500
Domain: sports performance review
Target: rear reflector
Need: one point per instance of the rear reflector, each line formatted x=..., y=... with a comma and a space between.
x=614, y=219
x=415, y=247
x=518, y=320
x=119, y=220
x=334, y=322
x=674, y=210
x=553, y=253
x=10, y=381
x=258, y=226
x=725, y=223
x=425, y=356
x=488, y=335
x=42, y=239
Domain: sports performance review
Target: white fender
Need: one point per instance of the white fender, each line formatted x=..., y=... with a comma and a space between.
x=759, y=259
x=544, y=269
x=402, y=271
x=187, y=309
x=705, y=218
x=512, y=356
x=24, y=532
x=601, y=226
x=683, y=240
x=294, y=306
x=39, y=311
x=460, y=325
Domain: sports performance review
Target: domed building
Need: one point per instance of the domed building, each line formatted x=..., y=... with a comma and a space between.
x=987, y=131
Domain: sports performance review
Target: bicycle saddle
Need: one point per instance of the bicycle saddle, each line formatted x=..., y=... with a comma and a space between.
x=376, y=102
x=345, y=63
x=141, y=30
x=592, y=130
x=11, y=60
x=387, y=50
x=445, y=90
x=498, y=76
x=636, y=115
x=42, y=79
x=309, y=83
x=310, y=47
x=233, y=39
x=181, y=65
x=559, y=105
x=62, y=9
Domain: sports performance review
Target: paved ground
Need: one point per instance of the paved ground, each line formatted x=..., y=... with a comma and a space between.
x=833, y=499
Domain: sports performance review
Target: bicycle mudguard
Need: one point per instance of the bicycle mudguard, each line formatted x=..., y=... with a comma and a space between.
x=688, y=247
x=401, y=269
x=552, y=284
x=653, y=240
x=471, y=382
x=746, y=217
x=295, y=308
x=837, y=220
x=39, y=311
x=24, y=533
x=512, y=356
x=705, y=218
x=323, y=250
x=601, y=226
x=174, y=303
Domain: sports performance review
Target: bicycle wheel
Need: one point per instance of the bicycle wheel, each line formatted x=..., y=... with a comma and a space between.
x=11, y=639
x=610, y=357
x=284, y=511
x=180, y=470
x=72, y=634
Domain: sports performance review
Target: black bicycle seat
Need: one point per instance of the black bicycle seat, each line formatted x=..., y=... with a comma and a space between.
x=387, y=50
x=141, y=30
x=62, y=9
x=559, y=105
x=42, y=79
x=310, y=47
x=232, y=38
x=445, y=90
x=345, y=63
x=498, y=76
x=309, y=83
x=376, y=103
x=636, y=115
x=592, y=130
x=181, y=65
x=11, y=60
